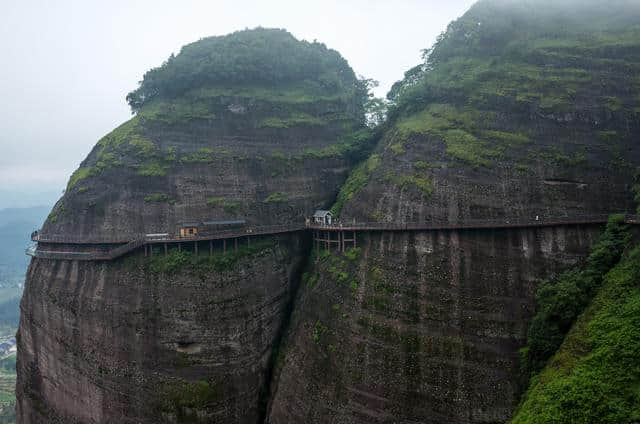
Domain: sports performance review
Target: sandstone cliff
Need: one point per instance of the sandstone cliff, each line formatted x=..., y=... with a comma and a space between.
x=188, y=338
x=522, y=109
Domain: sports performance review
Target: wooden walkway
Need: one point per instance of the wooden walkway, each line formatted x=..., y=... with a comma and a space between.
x=323, y=235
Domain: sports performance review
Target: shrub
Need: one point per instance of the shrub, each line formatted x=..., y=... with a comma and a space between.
x=158, y=198
x=594, y=377
x=560, y=301
x=277, y=197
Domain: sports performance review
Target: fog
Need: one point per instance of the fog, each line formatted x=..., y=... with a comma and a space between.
x=67, y=65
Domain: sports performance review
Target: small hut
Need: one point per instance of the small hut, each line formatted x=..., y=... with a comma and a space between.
x=322, y=217
x=189, y=229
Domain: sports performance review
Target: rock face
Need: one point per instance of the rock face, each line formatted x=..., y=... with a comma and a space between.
x=127, y=342
x=187, y=337
x=418, y=327
x=516, y=114
x=522, y=109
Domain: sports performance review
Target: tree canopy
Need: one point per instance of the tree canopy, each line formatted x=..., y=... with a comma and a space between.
x=257, y=56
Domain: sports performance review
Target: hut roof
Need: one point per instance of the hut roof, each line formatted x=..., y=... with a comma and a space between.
x=321, y=213
x=189, y=224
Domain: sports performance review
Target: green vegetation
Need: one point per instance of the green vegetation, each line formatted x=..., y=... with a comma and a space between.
x=353, y=147
x=421, y=166
x=78, y=175
x=595, y=376
x=125, y=146
x=158, y=198
x=153, y=169
x=215, y=201
x=261, y=56
x=178, y=110
x=202, y=155
x=204, y=263
x=456, y=127
x=228, y=206
x=562, y=300
x=423, y=184
x=7, y=389
x=340, y=268
x=58, y=211
x=277, y=197
x=353, y=253
x=245, y=68
x=319, y=332
x=290, y=95
x=186, y=399
x=509, y=60
x=356, y=182
x=8, y=363
x=294, y=120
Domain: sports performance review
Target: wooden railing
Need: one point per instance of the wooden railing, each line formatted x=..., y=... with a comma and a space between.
x=126, y=246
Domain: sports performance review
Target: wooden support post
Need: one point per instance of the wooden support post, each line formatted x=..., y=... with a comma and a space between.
x=355, y=244
x=145, y=250
x=341, y=237
x=210, y=247
x=151, y=250
x=224, y=245
x=235, y=243
x=165, y=249
x=248, y=241
x=179, y=247
x=327, y=240
x=195, y=245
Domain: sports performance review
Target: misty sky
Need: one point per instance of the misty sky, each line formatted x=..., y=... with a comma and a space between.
x=67, y=65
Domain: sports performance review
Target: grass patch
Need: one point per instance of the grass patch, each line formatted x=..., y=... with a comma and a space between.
x=227, y=205
x=77, y=176
x=455, y=127
x=277, y=197
x=357, y=180
x=298, y=119
x=158, y=198
x=422, y=184
x=154, y=169
x=203, y=155
x=177, y=111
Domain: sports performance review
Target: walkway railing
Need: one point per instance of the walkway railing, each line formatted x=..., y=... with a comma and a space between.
x=126, y=246
x=150, y=239
x=469, y=224
x=166, y=238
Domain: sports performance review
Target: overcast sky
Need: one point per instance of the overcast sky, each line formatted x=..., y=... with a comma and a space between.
x=67, y=65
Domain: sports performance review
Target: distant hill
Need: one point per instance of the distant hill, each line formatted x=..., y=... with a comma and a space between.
x=16, y=224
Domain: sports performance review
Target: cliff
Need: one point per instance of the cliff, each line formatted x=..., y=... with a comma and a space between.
x=224, y=130
x=593, y=376
x=521, y=109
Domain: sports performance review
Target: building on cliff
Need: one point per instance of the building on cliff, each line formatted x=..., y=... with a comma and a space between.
x=322, y=217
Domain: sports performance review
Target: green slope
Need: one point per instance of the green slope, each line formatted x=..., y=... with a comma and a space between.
x=595, y=376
